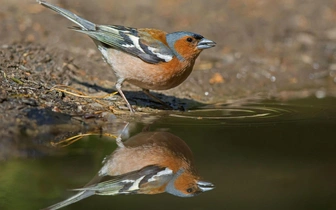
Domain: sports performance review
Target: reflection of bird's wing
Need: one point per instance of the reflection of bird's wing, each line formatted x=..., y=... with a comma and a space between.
x=79, y=196
x=131, y=182
x=123, y=184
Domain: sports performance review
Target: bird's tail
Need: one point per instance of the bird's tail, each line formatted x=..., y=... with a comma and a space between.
x=79, y=196
x=84, y=24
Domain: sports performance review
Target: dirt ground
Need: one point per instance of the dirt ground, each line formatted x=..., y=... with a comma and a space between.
x=265, y=49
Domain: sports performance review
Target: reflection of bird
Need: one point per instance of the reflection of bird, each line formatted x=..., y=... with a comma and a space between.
x=148, y=163
x=148, y=58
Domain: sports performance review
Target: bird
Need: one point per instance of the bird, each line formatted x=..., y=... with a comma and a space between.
x=148, y=58
x=150, y=162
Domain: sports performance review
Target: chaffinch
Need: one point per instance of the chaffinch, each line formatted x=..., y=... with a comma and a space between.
x=148, y=58
x=147, y=163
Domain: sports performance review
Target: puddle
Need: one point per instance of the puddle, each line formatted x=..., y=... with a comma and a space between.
x=259, y=155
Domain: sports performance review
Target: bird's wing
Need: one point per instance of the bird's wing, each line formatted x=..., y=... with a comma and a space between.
x=138, y=43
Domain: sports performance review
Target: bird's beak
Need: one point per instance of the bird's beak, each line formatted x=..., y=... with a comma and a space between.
x=205, y=186
x=205, y=44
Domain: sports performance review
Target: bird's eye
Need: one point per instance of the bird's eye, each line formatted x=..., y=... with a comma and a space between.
x=189, y=39
x=189, y=190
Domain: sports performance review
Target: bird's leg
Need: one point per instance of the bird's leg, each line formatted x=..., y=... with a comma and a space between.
x=118, y=86
x=119, y=139
x=146, y=91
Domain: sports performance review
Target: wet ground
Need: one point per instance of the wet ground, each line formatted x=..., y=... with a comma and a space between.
x=258, y=109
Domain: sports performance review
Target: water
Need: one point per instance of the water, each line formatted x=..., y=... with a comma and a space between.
x=259, y=155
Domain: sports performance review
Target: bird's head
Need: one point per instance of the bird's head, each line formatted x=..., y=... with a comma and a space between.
x=188, y=45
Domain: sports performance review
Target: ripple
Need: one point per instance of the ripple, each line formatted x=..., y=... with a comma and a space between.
x=238, y=112
x=263, y=112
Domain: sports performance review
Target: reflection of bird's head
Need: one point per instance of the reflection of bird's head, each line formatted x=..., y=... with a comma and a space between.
x=186, y=184
x=164, y=163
